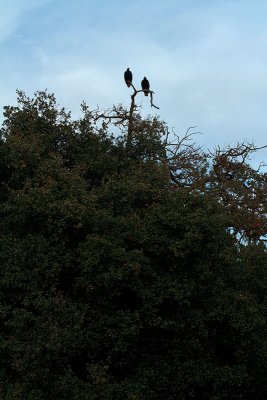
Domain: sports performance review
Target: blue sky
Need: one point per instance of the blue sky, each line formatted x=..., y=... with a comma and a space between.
x=206, y=60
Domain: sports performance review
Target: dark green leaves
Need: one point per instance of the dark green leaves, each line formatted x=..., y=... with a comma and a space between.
x=113, y=284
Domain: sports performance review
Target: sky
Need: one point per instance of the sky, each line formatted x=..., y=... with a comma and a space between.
x=206, y=60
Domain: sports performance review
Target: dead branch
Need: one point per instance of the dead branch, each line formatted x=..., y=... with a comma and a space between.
x=141, y=90
x=151, y=99
x=131, y=112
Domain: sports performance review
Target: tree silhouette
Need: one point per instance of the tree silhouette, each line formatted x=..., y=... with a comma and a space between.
x=223, y=174
x=122, y=274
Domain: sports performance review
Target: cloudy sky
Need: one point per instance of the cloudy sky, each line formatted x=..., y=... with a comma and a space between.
x=206, y=60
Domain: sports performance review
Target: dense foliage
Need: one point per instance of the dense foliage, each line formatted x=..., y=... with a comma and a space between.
x=116, y=283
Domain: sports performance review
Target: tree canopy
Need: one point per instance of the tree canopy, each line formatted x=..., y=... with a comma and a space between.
x=131, y=267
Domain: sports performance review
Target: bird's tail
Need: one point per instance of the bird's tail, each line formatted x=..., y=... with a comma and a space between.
x=146, y=92
x=128, y=84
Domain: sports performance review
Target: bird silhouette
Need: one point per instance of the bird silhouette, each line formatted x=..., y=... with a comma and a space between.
x=145, y=86
x=128, y=77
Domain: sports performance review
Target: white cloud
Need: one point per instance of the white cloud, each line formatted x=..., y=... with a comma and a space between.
x=12, y=14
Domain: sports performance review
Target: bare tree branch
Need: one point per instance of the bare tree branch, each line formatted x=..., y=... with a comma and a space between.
x=151, y=99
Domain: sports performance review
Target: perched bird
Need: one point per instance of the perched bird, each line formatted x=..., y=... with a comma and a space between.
x=145, y=86
x=128, y=77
